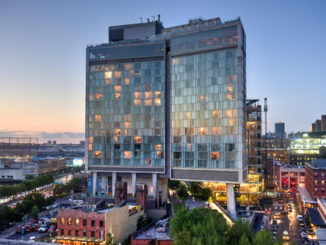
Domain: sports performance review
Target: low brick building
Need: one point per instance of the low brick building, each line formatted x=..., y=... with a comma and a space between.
x=84, y=227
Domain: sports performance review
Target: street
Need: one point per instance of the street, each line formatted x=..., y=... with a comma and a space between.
x=288, y=222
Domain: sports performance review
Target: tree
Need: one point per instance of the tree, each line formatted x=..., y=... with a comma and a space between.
x=198, y=226
x=34, y=212
x=239, y=229
x=174, y=184
x=244, y=240
x=198, y=192
x=109, y=239
x=182, y=192
x=265, y=238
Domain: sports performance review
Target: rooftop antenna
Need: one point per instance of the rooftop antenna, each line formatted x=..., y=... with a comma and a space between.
x=153, y=17
x=265, y=112
x=141, y=19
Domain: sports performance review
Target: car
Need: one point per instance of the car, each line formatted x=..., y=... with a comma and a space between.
x=43, y=228
x=301, y=224
x=52, y=228
x=36, y=226
x=286, y=236
x=274, y=227
x=299, y=217
x=303, y=235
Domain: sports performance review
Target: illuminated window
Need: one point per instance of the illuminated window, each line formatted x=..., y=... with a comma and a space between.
x=216, y=113
x=188, y=115
x=115, y=139
x=77, y=221
x=231, y=121
x=201, y=98
x=229, y=88
x=127, y=154
x=215, y=155
x=127, y=124
x=137, y=102
x=117, y=88
x=229, y=96
x=117, y=131
x=148, y=102
x=90, y=147
x=217, y=130
x=107, y=81
x=62, y=221
x=137, y=95
x=127, y=81
x=117, y=74
x=90, y=139
x=228, y=113
x=157, y=94
x=117, y=96
x=137, y=73
x=98, y=96
x=127, y=117
x=131, y=72
x=98, y=118
x=125, y=132
x=202, y=130
x=137, y=139
x=159, y=154
x=69, y=221
x=98, y=154
x=128, y=66
x=157, y=101
x=108, y=74
x=148, y=94
x=176, y=61
x=158, y=147
x=91, y=97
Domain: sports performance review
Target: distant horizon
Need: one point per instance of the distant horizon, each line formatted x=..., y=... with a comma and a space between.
x=44, y=137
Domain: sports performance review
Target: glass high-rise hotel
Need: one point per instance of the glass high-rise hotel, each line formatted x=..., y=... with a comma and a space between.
x=167, y=103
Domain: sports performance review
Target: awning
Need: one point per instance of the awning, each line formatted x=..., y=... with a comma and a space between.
x=305, y=196
x=316, y=218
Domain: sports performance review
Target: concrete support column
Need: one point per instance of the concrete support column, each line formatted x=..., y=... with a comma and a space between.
x=133, y=184
x=94, y=182
x=114, y=180
x=154, y=179
x=231, y=200
x=107, y=185
x=103, y=185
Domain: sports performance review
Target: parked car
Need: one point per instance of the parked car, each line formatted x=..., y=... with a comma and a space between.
x=52, y=228
x=43, y=228
x=299, y=218
x=303, y=235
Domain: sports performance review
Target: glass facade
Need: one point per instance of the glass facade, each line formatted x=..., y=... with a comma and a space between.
x=207, y=101
x=126, y=114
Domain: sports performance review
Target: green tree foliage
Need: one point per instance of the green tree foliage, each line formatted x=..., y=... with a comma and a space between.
x=239, y=229
x=29, y=201
x=206, y=226
x=182, y=192
x=75, y=184
x=8, y=215
x=27, y=185
x=109, y=239
x=199, y=226
x=174, y=184
x=34, y=212
x=198, y=192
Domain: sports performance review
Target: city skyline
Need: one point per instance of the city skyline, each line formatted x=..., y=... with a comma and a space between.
x=43, y=57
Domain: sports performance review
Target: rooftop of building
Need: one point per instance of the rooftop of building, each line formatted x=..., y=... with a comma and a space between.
x=194, y=25
x=317, y=164
x=160, y=231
